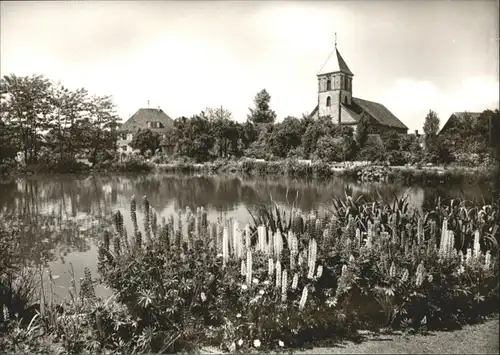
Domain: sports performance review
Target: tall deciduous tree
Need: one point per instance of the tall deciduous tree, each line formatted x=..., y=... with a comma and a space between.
x=69, y=112
x=431, y=127
x=101, y=127
x=25, y=108
x=224, y=130
x=262, y=112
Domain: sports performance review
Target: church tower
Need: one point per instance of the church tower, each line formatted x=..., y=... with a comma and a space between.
x=334, y=86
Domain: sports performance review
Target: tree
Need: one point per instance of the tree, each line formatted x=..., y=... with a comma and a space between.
x=334, y=148
x=194, y=137
x=314, y=131
x=248, y=134
x=145, y=140
x=8, y=143
x=431, y=127
x=330, y=149
x=224, y=130
x=487, y=127
x=171, y=139
x=373, y=150
x=362, y=129
x=25, y=107
x=286, y=136
x=100, y=127
x=69, y=111
x=391, y=141
x=262, y=112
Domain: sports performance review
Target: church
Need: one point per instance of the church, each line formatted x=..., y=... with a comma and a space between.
x=335, y=99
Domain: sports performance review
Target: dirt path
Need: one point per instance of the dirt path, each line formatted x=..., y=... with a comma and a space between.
x=476, y=339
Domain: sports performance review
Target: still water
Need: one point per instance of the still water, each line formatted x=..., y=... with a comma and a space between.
x=80, y=207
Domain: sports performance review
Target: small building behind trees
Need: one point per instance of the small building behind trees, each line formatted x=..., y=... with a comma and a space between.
x=154, y=119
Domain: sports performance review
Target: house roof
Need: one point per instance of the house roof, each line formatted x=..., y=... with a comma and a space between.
x=377, y=111
x=140, y=119
x=459, y=115
x=335, y=63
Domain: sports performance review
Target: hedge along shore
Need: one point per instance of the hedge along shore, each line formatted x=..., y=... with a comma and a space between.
x=364, y=171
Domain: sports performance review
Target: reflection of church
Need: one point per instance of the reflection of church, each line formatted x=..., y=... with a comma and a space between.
x=335, y=99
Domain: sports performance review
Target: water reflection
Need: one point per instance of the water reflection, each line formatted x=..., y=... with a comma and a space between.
x=65, y=215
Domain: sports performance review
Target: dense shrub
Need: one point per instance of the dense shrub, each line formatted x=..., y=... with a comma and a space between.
x=103, y=159
x=18, y=284
x=363, y=266
x=132, y=163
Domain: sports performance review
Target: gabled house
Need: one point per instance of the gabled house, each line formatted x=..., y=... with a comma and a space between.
x=145, y=118
x=335, y=99
x=457, y=117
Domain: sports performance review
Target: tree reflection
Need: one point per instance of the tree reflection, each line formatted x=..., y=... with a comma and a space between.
x=66, y=214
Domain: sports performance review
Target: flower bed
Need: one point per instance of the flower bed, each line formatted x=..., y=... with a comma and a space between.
x=273, y=285
x=288, y=280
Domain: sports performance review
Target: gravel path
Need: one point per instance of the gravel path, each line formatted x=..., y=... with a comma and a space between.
x=477, y=339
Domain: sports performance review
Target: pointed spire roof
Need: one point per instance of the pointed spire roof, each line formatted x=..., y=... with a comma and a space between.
x=335, y=63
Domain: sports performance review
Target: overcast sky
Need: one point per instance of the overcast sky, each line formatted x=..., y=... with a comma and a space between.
x=184, y=56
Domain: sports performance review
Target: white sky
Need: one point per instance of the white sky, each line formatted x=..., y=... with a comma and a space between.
x=184, y=56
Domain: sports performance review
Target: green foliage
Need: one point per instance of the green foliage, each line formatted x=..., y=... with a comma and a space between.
x=286, y=136
x=8, y=143
x=146, y=140
x=469, y=138
x=362, y=130
x=26, y=109
x=438, y=150
x=18, y=285
x=431, y=124
x=52, y=126
x=131, y=163
x=262, y=112
x=373, y=150
x=330, y=149
x=40, y=115
x=185, y=282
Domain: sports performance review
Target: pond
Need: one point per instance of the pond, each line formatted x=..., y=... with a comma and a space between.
x=80, y=207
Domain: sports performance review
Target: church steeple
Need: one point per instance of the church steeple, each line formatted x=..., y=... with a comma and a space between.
x=335, y=63
x=334, y=85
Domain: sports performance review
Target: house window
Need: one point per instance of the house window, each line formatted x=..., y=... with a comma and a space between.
x=328, y=85
x=130, y=136
x=328, y=101
x=149, y=124
x=345, y=100
x=124, y=148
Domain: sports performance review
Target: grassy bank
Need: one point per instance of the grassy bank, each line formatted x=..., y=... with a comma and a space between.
x=286, y=281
